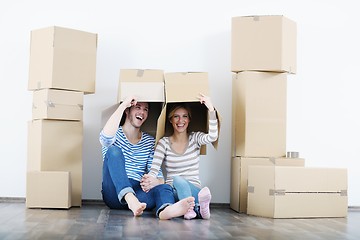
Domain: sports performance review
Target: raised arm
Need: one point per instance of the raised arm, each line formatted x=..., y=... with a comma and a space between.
x=212, y=136
x=112, y=124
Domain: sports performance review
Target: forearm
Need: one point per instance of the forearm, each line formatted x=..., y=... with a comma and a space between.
x=112, y=124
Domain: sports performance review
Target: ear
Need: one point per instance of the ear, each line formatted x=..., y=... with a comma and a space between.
x=127, y=110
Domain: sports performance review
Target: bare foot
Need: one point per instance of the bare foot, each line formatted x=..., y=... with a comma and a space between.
x=177, y=209
x=134, y=205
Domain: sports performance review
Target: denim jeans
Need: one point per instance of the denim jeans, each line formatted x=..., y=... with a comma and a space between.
x=116, y=184
x=183, y=189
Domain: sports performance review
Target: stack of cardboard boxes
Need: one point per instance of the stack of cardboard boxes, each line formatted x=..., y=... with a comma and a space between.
x=264, y=182
x=62, y=69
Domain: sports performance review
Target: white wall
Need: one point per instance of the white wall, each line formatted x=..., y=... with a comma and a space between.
x=323, y=99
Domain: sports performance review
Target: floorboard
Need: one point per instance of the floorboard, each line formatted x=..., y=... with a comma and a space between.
x=96, y=221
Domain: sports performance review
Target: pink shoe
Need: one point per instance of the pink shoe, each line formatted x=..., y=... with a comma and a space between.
x=204, y=201
x=190, y=214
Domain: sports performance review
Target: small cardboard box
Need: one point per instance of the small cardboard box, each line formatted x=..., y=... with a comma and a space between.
x=146, y=84
x=297, y=192
x=56, y=145
x=57, y=104
x=48, y=189
x=62, y=58
x=185, y=87
x=259, y=114
x=239, y=176
x=263, y=43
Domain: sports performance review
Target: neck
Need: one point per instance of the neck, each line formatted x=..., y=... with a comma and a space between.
x=180, y=137
x=132, y=134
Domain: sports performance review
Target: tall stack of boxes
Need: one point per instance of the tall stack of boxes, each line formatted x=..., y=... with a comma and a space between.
x=263, y=53
x=62, y=69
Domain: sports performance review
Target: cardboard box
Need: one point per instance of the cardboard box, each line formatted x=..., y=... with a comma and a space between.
x=297, y=192
x=146, y=84
x=149, y=126
x=62, y=58
x=57, y=104
x=48, y=189
x=263, y=43
x=239, y=176
x=185, y=87
x=56, y=145
x=259, y=114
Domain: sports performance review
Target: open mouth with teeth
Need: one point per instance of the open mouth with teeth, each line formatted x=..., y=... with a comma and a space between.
x=139, y=118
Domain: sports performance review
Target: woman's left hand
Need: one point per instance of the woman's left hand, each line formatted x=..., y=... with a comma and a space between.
x=147, y=182
x=207, y=101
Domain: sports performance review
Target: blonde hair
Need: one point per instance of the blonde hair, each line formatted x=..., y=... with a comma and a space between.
x=178, y=106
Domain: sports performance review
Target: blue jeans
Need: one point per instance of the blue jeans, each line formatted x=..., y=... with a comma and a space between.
x=183, y=189
x=116, y=184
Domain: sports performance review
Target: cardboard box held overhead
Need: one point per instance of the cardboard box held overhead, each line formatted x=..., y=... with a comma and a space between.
x=297, y=192
x=146, y=84
x=259, y=114
x=263, y=43
x=62, y=58
x=239, y=176
x=57, y=104
x=185, y=87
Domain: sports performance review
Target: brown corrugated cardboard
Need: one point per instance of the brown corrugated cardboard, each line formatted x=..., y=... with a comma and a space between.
x=62, y=58
x=185, y=87
x=263, y=43
x=56, y=145
x=259, y=114
x=239, y=176
x=146, y=84
x=57, y=104
x=297, y=192
x=48, y=189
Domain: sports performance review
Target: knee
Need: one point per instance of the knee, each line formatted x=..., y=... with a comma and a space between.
x=163, y=187
x=113, y=152
x=178, y=180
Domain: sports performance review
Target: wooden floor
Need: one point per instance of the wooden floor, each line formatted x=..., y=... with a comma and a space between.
x=96, y=221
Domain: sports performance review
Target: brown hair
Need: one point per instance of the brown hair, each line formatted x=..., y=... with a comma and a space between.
x=178, y=106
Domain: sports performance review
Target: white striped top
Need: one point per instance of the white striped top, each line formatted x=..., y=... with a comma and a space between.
x=138, y=157
x=186, y=164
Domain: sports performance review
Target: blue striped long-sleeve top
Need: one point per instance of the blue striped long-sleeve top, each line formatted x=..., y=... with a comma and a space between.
x=138, y=157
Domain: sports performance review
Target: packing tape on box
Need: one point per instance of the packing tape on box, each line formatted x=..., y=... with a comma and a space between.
x=343, y=193
x=81, y=106
x=251, y=189
x=272, y=159
x=292, y=154
x=140, y=73
x=280, y=192
x=49, y=104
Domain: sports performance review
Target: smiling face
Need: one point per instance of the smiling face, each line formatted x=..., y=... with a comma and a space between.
x=138, y=114
x=180, y=119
